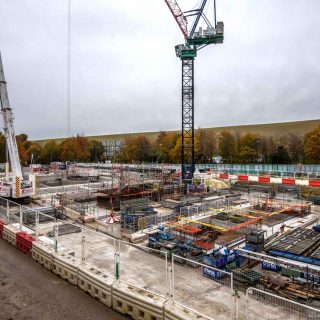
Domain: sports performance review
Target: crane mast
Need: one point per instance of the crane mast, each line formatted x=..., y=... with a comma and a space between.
x=8, y=127
x=16, y=188
x=194, y=41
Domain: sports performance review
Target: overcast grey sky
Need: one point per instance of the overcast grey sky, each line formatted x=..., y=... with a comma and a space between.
x=125, y=76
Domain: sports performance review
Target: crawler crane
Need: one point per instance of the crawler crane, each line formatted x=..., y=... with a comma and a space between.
x=14, y=186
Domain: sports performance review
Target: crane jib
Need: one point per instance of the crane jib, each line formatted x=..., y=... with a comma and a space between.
x=178, y=16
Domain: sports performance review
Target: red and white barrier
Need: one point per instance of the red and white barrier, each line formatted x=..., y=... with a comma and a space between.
x=266, y=179
x=24, y=242
x=2, y=223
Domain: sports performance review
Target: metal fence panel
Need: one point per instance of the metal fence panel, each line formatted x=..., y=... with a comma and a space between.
x=203, y=289
x=100, y=250
x=267, y=306
x=144, y=267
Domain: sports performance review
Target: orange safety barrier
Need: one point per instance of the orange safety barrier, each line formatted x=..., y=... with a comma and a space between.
x=188, y=229
x=244, y=224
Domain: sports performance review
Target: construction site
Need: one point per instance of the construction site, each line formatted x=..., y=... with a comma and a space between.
x=138, y=225
x=160, y=241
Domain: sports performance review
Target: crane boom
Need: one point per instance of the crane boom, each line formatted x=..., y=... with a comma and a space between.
x=178, y=16
x=8, y=127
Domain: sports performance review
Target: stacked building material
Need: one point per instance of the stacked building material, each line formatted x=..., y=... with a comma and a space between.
x=247, y=276
x=177, y=204
x=316, y=254
x=298, y=242
x=64, y=229
x=138, y=220
x=222, y=216
x=288, y=290
x=134, y=205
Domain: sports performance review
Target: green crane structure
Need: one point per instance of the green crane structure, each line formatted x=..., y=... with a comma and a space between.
x=195, y=39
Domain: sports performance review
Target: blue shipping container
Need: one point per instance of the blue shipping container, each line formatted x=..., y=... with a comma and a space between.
x=213, y=274
x=270, y=266
x=310, y=277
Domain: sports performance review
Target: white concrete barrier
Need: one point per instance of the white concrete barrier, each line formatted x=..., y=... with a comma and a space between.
x=174, y=311
x=137, y=303
x=43, y=253
x=129, y=300
x=96, y=282
x=66, y=266
x=9, y=234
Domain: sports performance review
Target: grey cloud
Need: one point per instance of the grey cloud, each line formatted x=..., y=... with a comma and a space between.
x=125, y=76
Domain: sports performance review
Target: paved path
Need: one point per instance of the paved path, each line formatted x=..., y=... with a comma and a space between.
x=30, y=292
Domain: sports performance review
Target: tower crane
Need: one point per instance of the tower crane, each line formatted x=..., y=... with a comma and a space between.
x=195, y=39
x=14, y=186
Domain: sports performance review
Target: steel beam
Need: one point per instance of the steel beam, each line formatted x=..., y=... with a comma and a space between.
x=286, y=263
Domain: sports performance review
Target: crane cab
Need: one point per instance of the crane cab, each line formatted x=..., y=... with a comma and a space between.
x=185, y=52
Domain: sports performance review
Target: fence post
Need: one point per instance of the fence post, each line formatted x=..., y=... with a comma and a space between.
x=56, y=235
x=247, y=304
x=83, y=247
x=172, y=277
x=37, y=225
x=167, y=293
x=117, y=260
x=234, y=299
x=8, y=211
x=20, y=217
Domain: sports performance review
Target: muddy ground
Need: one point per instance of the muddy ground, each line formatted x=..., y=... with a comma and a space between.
x=30, y=292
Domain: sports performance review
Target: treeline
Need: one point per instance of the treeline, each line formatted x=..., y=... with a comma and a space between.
x=77, y=148
x=233, y=148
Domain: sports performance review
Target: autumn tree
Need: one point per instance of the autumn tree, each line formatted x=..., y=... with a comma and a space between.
x=165, y=143
x=248, y=148
x=96, y=150
x=75, y=149
x=227, y=146
x=294, y=146
x=312, y=146
x=50, y=152
x=34, y=151
x=280, y=156
x=23, y=146
x=176, y=152
x=266, y=148
x=136, y=149
x=205, y=145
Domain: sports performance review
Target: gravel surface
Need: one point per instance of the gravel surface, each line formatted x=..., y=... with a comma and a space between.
x=30, y=292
